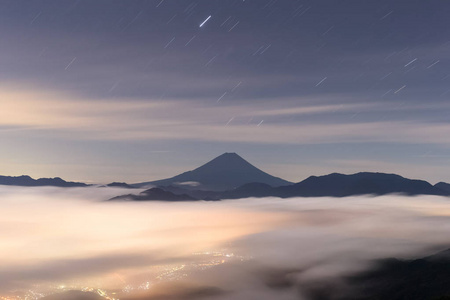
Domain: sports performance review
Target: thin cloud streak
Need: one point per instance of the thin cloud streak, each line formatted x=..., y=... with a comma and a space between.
x=53, y=114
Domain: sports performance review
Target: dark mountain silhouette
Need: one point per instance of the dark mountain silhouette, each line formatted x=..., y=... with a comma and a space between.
x=418, y=279
x=443, y=186
x=226, y=172
x=120, y=185
x=340, y=185
x=28, y=181
x=155, y=194
x=426, y=278
x=332, y=185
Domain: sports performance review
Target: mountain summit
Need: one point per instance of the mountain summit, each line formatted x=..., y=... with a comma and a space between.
x=225, y=172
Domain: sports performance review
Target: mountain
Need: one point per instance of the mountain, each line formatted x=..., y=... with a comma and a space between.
x=394, y=279
x=155, y=194
x=120, y=185
x=426, y=278
x=340, y=185
x=443, y=186
x=226, y=172
x=332, y=185
x=28, y=181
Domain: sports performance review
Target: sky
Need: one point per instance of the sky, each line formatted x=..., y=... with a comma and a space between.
x=120, y=90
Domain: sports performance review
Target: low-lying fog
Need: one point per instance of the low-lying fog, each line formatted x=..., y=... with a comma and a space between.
x=55, y=239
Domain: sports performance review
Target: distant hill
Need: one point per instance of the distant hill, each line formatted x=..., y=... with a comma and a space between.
x=340, y=185
x=332, y=185
x=120, y=185
x=154, y=194
x=226, y=172
x=443, y=186
x=28, y=181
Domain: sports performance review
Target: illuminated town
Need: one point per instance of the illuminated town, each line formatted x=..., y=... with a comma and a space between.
x=209, y=259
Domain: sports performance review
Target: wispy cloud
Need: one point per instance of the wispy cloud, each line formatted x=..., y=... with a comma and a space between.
x=66, y=116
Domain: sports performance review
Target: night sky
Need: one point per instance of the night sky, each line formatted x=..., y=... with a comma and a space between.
x=136, y=90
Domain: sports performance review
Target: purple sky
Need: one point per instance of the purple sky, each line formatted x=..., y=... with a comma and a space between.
x=112, y=90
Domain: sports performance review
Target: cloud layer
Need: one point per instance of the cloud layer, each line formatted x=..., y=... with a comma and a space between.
x=238, y=249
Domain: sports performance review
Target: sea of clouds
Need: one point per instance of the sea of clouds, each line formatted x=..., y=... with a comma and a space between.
x=53, y=239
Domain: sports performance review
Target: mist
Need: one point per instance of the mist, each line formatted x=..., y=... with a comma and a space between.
x=56, y=240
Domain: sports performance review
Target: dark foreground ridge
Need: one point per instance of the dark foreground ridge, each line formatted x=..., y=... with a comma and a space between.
x=426, y=278
x=28, y=181
x=226, y=172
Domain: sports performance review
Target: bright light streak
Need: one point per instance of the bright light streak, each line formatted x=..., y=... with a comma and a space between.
x=204, y=22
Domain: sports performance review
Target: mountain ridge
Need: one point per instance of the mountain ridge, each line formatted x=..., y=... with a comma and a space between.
x=229, y=176
x=25, y=180
x=332, y=185
x=443, y=186
x=362, y=183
